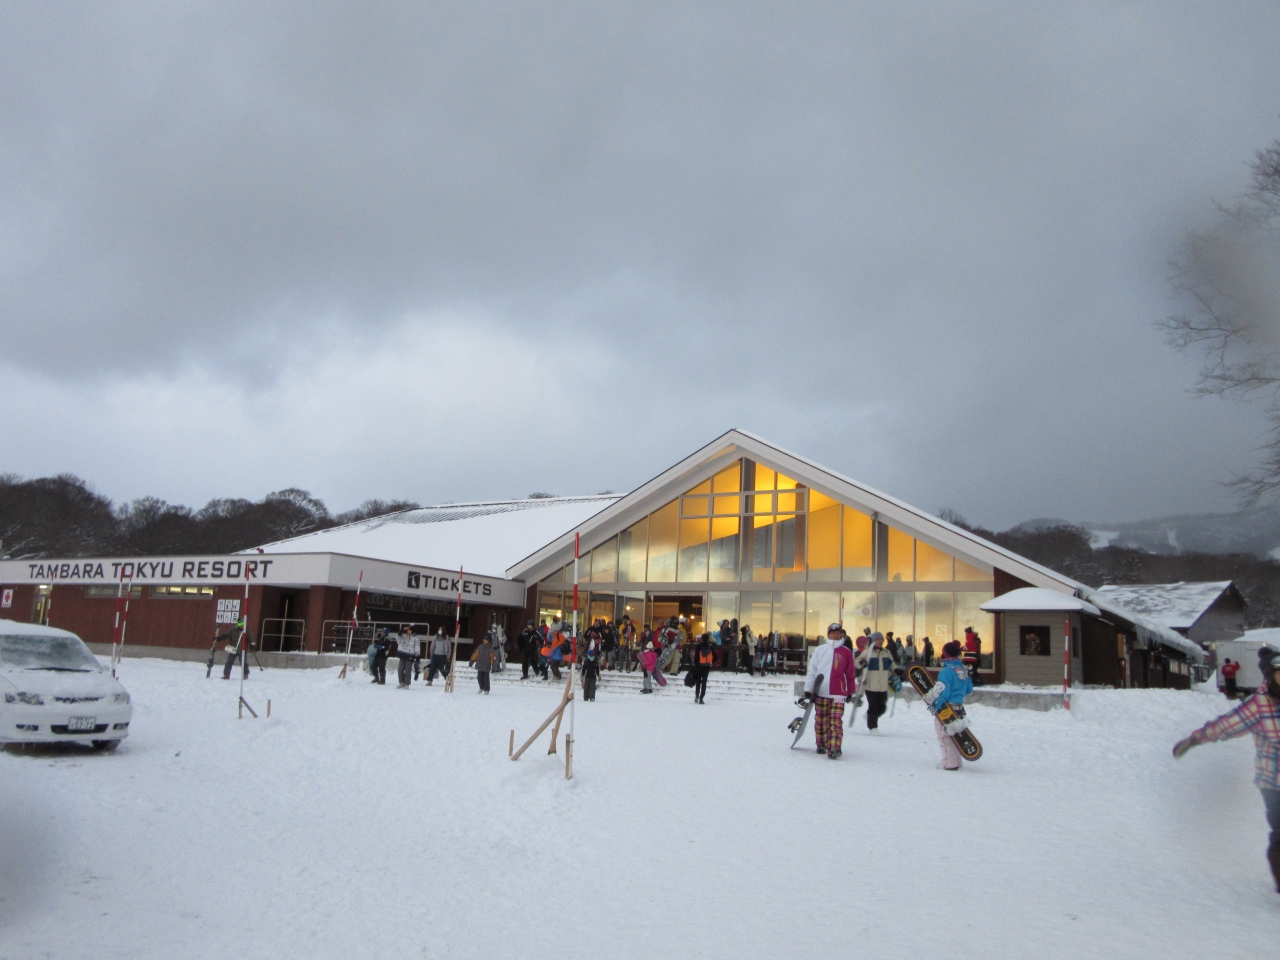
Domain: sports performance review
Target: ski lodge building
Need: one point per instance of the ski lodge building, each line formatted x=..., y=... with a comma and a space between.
x=740, y=530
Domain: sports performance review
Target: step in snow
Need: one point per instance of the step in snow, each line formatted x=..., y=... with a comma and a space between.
x=720, y=686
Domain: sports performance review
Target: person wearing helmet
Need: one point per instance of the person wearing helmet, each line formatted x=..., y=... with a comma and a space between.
x=1260, y=716
x=831, y=679
x=952, y=687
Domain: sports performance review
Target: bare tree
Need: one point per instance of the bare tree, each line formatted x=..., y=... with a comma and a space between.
x=1229, y=273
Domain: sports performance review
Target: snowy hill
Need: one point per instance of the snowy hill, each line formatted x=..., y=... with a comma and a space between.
x=1255, y=531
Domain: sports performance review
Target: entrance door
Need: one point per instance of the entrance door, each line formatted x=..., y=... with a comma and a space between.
x=689, y=606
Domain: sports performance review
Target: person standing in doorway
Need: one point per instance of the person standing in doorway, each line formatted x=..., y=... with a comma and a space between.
x=878, y=663
x=834, y=663
x=1260, y=716
x=952, y=687
x=439, y=662
x=1229, y=673
x=484, y=663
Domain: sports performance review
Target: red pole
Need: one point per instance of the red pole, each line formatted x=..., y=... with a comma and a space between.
x=573, y=639
x=1066, y=663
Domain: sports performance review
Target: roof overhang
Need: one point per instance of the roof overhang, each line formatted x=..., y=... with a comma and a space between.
x=1039, y=600
x=713, y=457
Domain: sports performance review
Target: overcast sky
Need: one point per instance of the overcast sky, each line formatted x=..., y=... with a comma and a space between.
x=465, y=251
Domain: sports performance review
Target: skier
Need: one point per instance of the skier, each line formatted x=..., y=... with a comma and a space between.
x=878, y=664
x=833, y=661
x=703, y=657
x=952, y=687
x=590, y=670
x=1229, y=671
x=484, y=663
x=648, y=663
x=1259, y=715
x=439, y=662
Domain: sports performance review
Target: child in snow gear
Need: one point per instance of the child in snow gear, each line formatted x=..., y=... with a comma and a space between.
x=557, y=641
x=648, y=663
x=946, y=700
x=590, y=670
x=831, y=679
x=1260, y=716
x=877, y=662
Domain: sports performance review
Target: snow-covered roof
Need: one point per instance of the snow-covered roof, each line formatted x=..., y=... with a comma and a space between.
x=1145, y=627
x=1036, y=599
x=1267, y=635
x=1174, y=605
x=484, y=538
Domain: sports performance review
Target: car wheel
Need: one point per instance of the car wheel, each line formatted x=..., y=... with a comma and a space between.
x=105, y=746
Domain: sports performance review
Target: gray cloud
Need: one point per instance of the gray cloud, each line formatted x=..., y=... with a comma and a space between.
x=922, y=244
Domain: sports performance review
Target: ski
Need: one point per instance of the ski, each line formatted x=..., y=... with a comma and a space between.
x=213, y=655
x=965, y=741
x=800, y=724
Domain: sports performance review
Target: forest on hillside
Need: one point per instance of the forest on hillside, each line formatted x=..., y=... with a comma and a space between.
x=64, y=517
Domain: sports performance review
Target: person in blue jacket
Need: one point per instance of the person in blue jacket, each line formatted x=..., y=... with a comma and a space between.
x=952, y=687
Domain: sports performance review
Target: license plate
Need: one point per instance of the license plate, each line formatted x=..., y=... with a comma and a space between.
x=76, y=724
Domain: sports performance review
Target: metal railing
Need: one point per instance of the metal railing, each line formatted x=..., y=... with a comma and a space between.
x=281, y=635
x=334, y=635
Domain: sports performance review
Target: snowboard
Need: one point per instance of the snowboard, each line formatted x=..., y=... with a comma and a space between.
x=800, y=724
x=965, y=741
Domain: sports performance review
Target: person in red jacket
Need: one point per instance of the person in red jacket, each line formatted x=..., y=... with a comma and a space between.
x=833, y=663
x=1229, y=671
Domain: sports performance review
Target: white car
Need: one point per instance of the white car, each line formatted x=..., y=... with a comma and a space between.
x=55, y=689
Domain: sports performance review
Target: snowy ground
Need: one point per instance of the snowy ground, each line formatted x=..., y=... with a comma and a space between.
x=365, y=821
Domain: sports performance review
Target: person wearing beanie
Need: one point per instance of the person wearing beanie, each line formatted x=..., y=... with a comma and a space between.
x=831, y=679
x=875, y=666
x=1260, y=716
x=952, y=687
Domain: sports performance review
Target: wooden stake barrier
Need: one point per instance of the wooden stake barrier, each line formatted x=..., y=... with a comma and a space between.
x=511, y=744
x=568, y=756
x=556, y=715
x=268, y=708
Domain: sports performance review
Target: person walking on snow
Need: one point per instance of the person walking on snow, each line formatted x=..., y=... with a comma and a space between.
x=648, y=663
x=833, y=661
x=878, y=662
x=236, y=650
x=952, y=687
x=1260, y=716
x=557, y=640
x=439, y=663
x=484, y=663
x=590, y=670
x=703, y=657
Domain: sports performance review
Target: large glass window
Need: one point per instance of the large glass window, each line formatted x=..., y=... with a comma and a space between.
x=896, y=612
x=971, y=573
x=824, y=537
x=934, y=618
x=630, y=604
x=822, y=608
x=932, y=563
x=694, y=534
x=969, y=613
x=788, y=617
x=632, y=549
x=789, y=548
x=550, y=605
x=757, y=612
x=724, y=549
x=601, y=607
x=721, y=606
x=604, y=562
x=759, y=548
x=662, y=544
x=726, y=487
x=900, y=565
x=858, y=547
x=859, y=612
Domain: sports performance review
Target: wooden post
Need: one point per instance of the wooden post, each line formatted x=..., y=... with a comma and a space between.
x=511, y=744
x=556, y=715
x=568, y=756
x=268, y=708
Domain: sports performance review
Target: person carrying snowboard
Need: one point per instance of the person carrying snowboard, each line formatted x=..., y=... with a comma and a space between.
x=952, y=687
x=1260, y=716
x=833, y=663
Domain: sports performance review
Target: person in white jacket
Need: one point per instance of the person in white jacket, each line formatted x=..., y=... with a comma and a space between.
x=833, y=663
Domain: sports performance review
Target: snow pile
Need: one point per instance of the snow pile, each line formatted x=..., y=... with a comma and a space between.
x=366, y=821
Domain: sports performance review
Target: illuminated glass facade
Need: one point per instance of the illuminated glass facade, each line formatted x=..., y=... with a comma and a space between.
x=753, y=544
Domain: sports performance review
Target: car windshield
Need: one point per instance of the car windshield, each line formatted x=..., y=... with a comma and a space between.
x=47, y=653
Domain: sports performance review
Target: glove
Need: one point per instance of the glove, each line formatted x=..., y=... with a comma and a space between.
x=804, y=699
x=934, y=692
x=1183, y=745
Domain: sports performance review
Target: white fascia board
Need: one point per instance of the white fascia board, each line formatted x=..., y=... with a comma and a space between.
x=736, y=443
